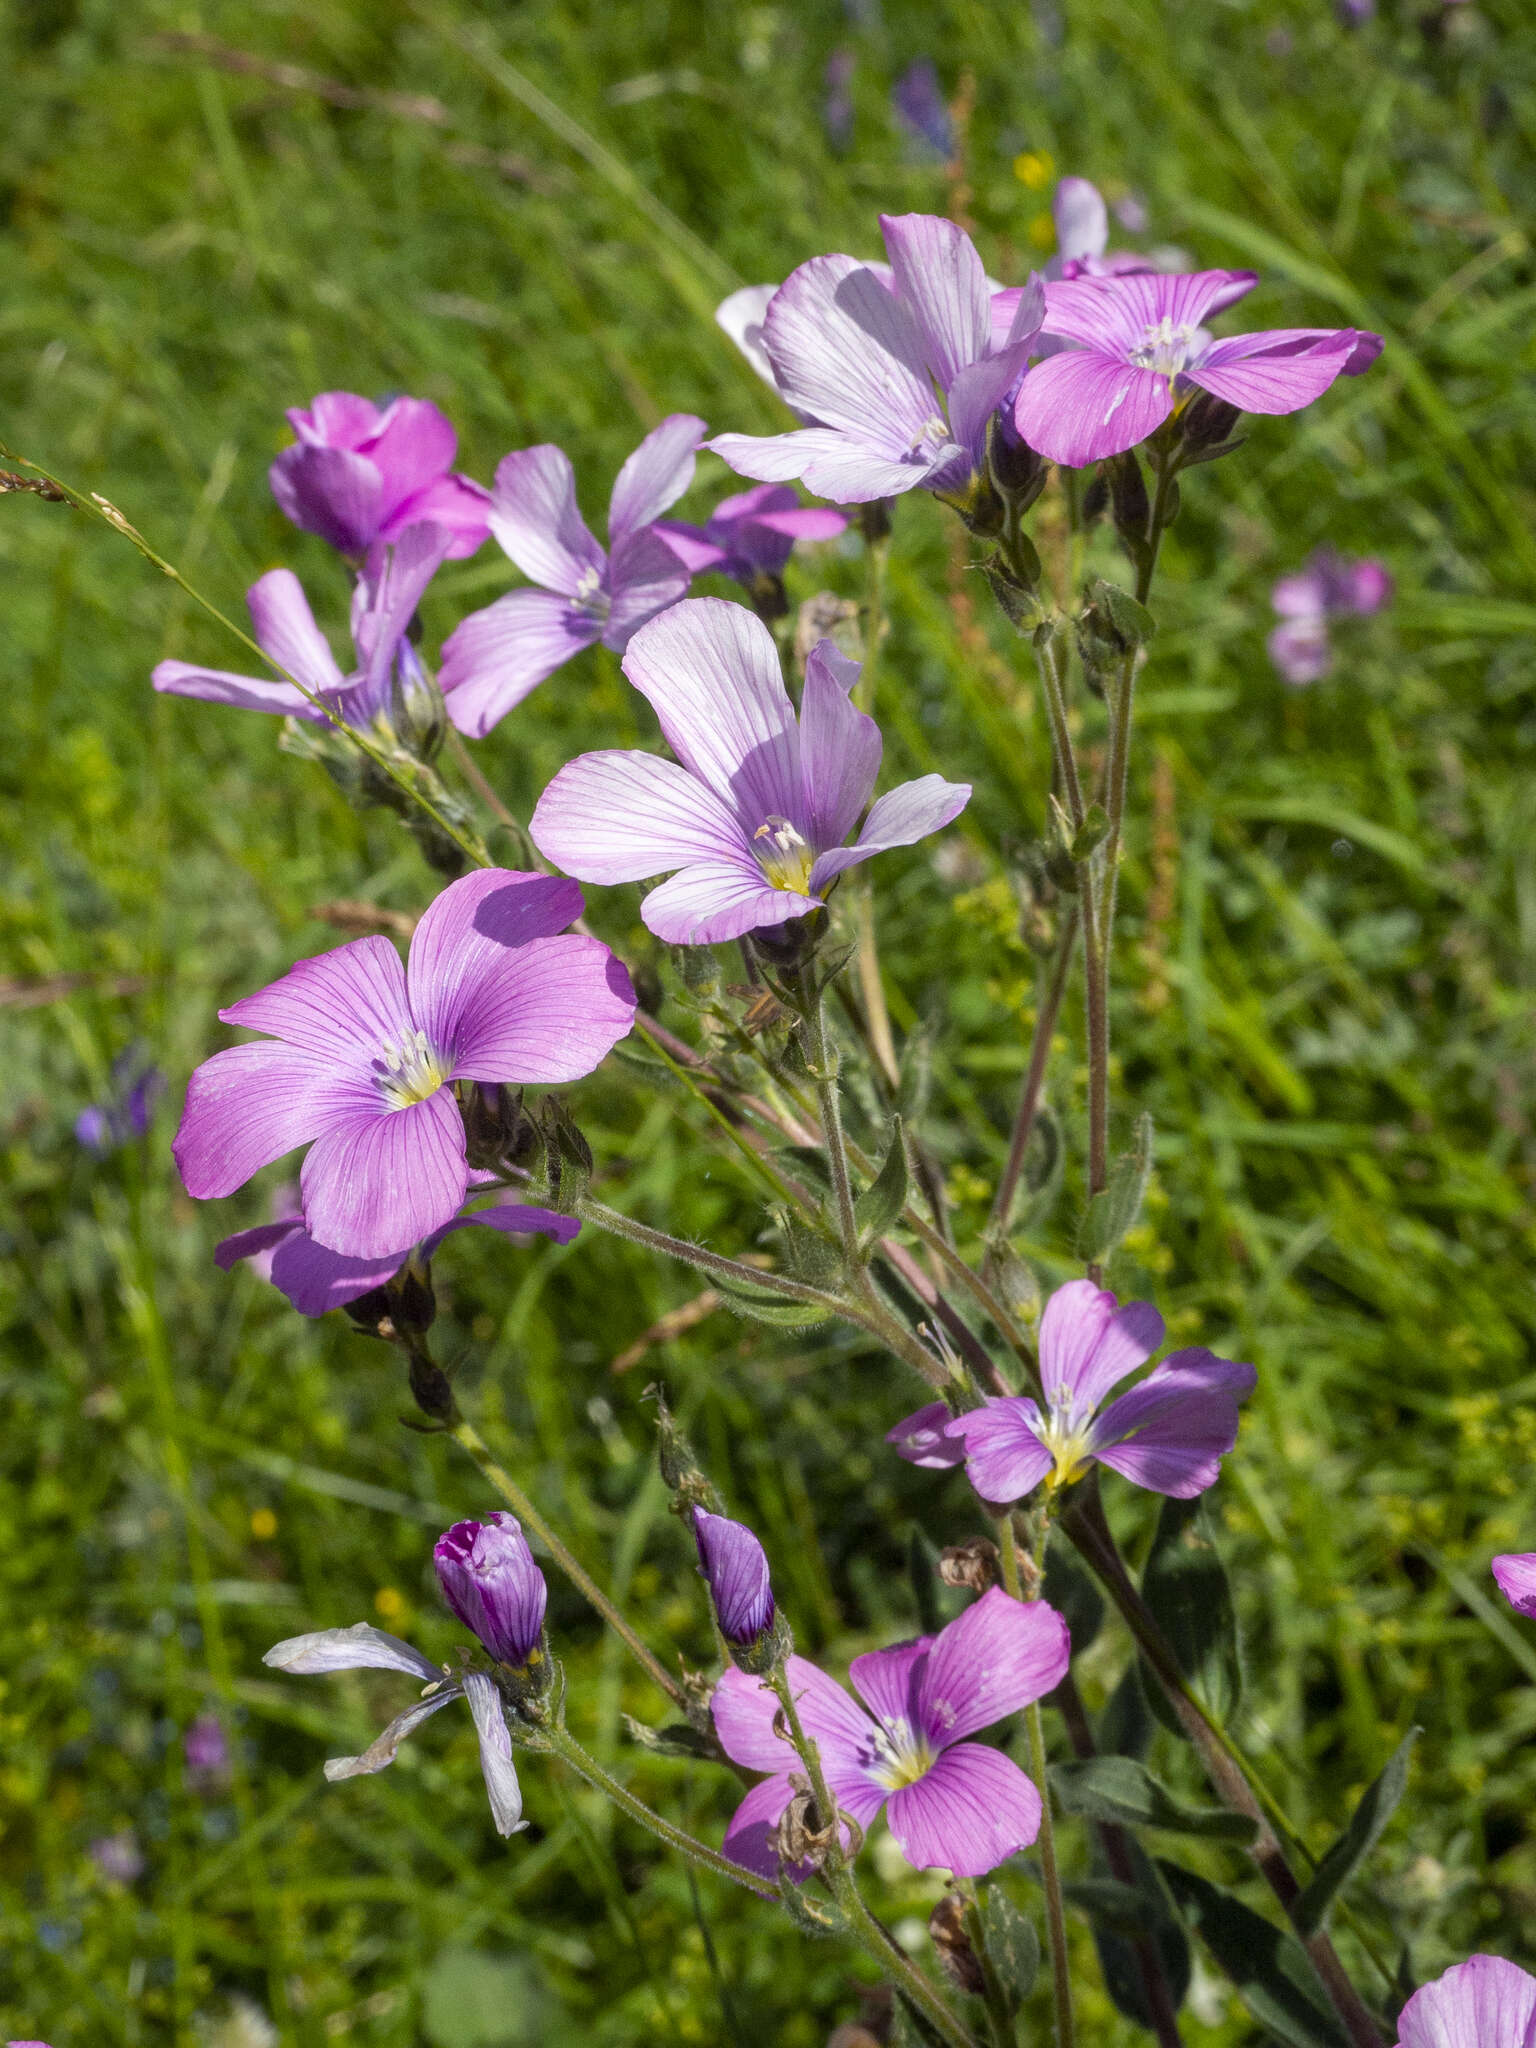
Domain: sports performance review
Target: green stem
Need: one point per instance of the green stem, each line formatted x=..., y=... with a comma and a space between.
x=565, y=1746
x=867, y=957
x=1034, y=1080
x=822, y=1061
x=468, y=1438
x=1055, y=1916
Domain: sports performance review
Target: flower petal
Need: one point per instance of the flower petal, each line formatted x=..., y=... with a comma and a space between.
x=359, y=1648
x=1088, y=1343
x=847, y=351
x=711, y=672
x=656, y=475
x=980, y=391
x=492, y=659
x=344, y=1006
x=741, y=316
x=1516, y=1576
x=414, y=445
x=316, y=1280
x=514, y=1219
x=899, y=818
x=385, y=1179
x=455, y=503
x=468, y=939
x=536, y=521
x=840, y=748
x=1170, y=1433
x=924, y=1439
x=382, y=1752
x=743, y=1711
x=331, y=492
x=1082, y=219
x=1240, y=371
x=939, y=276
x=645, y=576
x=388, y=593
x=749, y=1834
x=255, y=1244
x=710, y=903
x=618, y=817
x=285, y=630
x=691, y=545
x=887, y=1682
x=249, y=1105
x=973, y=1810
x=993, y=1660
x=1004, y=1456
x=495, y=1753
x=1078, y=407
x=1113, y=314
x=1484, y=2002
x=553, y=1014
x=829, y=462
x=220, y=686
x=336, y=419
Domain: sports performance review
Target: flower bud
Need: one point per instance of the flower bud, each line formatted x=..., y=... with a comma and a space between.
x=733, y=1562
x=491, y=1582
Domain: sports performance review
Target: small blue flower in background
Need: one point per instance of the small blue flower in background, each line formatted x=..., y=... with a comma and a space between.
x=135, y=1086
x=919, y=106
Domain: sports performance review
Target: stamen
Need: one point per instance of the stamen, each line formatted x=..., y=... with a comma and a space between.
x=786, y=858
x=1164, y=348
x=414, y=1071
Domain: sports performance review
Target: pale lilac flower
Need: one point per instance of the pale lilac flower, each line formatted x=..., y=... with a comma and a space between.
x=492, y=1584
x=951, y=1804
x=1143, y=349
x=205, y=1749
x=581, y=595
x=1301, y=649
x=383, y=604
x=733, y=1562
x=901, y=370
x=1355, y=13
x=1330, y=586
x=1482, y=2003
x=316, y=1280
x=118, y=1857
x=364, y=1052
x=135, y=1086
x=1516, y=1576
x=924, y=1439
x=919, y=106
x=365, y=1648
x=741, y=316
x=755, y=811
x=751, y=536
x=1168, y=1434
x=359, y=475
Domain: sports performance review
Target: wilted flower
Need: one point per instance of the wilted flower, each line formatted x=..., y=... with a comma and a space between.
x=383, y=605
x=750, y=536
x=1516, y=1576
x=1143, y=348
x=1484, y=2002
x=755, y=811
x=205, y=1750
x=135, y=1086
x=491, y=1582
x=901, y=370
x=118, y=1857
x=359, y=475
x=734, y=1563
x=1330, y=586
x=918, y=104
x=316, y=1280
x=496, y=656
x=1168, y=1434
x=364, y=1053
x=951, y=1804
x=365, y=1648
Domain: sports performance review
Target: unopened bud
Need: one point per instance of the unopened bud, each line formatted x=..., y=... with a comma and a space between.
x=497, y=1129
x=417, y=711
x=490, y=1581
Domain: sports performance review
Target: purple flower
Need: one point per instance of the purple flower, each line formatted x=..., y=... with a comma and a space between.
x=751, y=535
x=135, y=1086
x=363, y=1053
x=741, y=316
x=918, y=104
x=1301, y=649
x=364, y=1648
x=1168, y=1434
x=1516, y=1576
x=901, y=371
x=491, y=1582
x=733, y=1562
x=754, y=812
x=951, y=1804
x=498, y=655
x=1142, y=349
x=118, y=1857
x=383, y=605
x=358, y=475
x=1330, y=586
x=205, y=1747
x=315, y=1279
x=1482, y=2003
x=924, y=1439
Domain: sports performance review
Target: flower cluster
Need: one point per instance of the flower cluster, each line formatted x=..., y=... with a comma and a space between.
x=1331, y=586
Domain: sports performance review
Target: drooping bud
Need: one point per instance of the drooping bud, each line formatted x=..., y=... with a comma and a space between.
x=736, y=1568
x=492, y=1584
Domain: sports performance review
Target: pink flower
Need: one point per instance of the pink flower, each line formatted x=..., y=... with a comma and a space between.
x=1481, y=2003
x=358, y=475
x=1516, y=1577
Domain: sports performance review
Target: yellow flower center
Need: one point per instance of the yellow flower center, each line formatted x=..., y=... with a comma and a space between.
x=785, y=858
x=412, y=1071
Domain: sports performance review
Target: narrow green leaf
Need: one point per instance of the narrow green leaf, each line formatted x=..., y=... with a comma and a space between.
x=1117, y=1788
x=759, y=1306
x=1112, y=1213
x=1272, y=1972
x=886, y=1196
x=1127, y=1916
x=1370, y=1817
x=1185, y=1585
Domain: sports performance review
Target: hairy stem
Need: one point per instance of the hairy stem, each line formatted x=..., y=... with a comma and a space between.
x=821, y=1058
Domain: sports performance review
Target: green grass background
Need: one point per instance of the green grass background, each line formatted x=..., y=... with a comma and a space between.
x=1325, y=997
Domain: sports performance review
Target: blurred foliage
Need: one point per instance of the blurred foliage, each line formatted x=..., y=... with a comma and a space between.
x=1325, y=1000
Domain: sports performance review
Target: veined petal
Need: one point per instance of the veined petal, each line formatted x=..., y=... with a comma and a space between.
x=691, y=545
x=1170, y=1433
x=711, y=672
x=621, y=817
x=512, y=1219
x=995, y=1659
x=711, y=902
x=1114, y=314
x=468, y=942
x=899, y=818
x=331, y=492
x=1004, y=1455
x=456, y=503
x=220, y=686
x=336, y=419
x=1240, y=371
x=554, y=1014
x=940, y=277
x=249, y=1105
x=414, y=445
x=1079, y=406
x=1082, y=219
x=1484, y=2002
x=381, y=1752
x=1088, y=1343
x=536, y=521
x=743, y=1711
x=826, y=460
x=645, y=576
x=1515, y=1575
x=924, y=1439
x=492, y=659
x=316, y=1280
x=749, y=1833
x=847, y=351
x=255, y=1244
x=392, y=587
x=741, y=316
x=656, y=475
x=979, y=392
x=887, y=1682
x=359, y=1648
x=840, y=748
x=344, y=1006
x=387, y=1178
x=285, y=630
x=496, y=1763
x=973, y=1810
